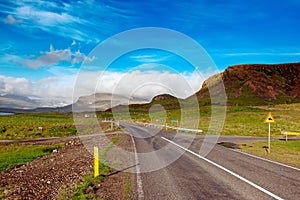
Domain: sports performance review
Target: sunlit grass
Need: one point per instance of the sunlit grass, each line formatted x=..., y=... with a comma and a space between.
x=42, y=125
x=282, y=151
x=13, y=154
x=21, y=126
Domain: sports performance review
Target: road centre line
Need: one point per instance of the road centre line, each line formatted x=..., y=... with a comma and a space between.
x=226, y=170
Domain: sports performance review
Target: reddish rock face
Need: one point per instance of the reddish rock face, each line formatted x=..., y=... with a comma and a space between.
x=265, y=82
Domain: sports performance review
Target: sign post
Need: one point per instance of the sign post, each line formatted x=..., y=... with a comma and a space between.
x=269, y=138
x=270, y=120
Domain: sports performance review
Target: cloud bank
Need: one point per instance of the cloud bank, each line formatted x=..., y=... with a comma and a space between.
x=54, y=57
x=11, y=20
x=58, y=91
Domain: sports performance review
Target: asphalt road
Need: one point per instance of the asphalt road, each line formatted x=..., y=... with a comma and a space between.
x=168, y=171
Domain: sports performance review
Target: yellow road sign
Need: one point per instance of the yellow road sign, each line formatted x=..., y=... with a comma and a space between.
x=270, y=119
x=290, y=133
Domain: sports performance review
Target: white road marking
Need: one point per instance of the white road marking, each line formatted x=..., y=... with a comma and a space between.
x=271, y=161
x=140, y=191
x=226, y=170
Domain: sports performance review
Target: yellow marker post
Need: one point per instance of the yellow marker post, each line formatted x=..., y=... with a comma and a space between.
x=96, y=162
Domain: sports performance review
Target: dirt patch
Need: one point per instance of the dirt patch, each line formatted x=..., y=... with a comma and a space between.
x=229, y=145
x=44, y=177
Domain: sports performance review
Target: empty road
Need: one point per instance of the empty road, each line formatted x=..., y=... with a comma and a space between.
x=171, y=168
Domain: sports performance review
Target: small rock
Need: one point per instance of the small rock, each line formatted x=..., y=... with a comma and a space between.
x=48, y=182
x=6, y=192
x=89, y=190
x=54, y=151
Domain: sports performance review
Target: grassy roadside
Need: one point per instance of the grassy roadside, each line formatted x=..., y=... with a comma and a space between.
x=97, y=188
x=36, y=125
x=44, y=125
x=87, y=189
x=249, y=121
x=287, y=152
x=14, y=154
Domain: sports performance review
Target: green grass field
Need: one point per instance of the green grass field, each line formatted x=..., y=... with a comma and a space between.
x=287, y=152
x=21, y=126
x=26, y=126
x=250, y=122
x=14, y=154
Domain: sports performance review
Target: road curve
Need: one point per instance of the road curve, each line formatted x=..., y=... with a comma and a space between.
x=191, y=177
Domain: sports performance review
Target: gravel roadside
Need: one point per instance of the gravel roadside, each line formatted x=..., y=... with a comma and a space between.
x=63, y=169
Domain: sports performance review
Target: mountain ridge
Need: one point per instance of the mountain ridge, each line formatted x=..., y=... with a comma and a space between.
x=255, y=83
x=17, y=101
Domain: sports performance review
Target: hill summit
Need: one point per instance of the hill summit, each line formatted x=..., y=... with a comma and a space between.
x=254, y=84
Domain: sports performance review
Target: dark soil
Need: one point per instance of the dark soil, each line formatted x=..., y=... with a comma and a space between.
x=229, y=145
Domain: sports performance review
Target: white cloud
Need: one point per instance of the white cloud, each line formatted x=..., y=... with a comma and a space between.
x=14, y=85
x=150, y=58
x=46, y=18
x=79, y=57
x=51, y=18
x=73, y=43
x=144, y=84
x=58, y=90
x=53, y=91
x=54, y=57
x=11, y=20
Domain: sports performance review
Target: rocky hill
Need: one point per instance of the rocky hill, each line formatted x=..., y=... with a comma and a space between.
x=255, y=84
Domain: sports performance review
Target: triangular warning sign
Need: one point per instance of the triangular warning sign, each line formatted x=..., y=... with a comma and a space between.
x=270, y=119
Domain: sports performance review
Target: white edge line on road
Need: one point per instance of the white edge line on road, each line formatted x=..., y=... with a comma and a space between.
x=140, y=191
x=271, y=161
x=226, y=170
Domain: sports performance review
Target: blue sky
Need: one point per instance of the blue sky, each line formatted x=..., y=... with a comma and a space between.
x=45, y=42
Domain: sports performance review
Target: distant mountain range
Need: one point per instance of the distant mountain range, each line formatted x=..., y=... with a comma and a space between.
x=104, y=101
x=98, y=102
x=18, y=102
x=251, y=84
